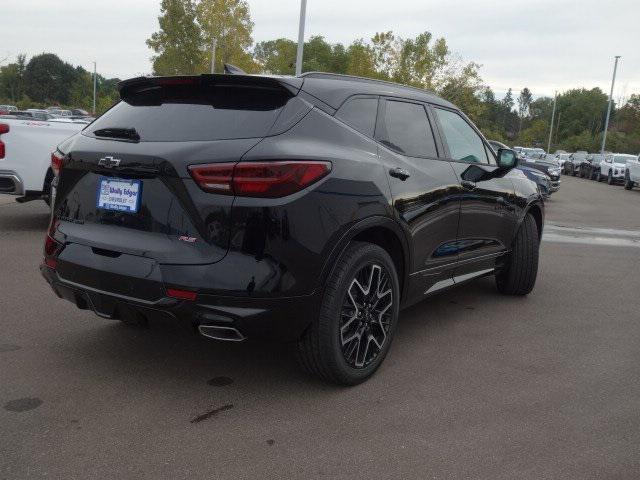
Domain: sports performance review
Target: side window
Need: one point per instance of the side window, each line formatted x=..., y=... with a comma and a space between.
x=465, y=145
x=408, y=130
x=360, y=114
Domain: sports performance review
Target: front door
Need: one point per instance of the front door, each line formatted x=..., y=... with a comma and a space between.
x=487, y=209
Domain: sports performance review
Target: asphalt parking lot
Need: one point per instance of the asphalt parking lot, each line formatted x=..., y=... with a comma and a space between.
x=476, y=385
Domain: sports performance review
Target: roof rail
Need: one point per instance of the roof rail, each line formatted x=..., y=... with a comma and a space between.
x=341, y=76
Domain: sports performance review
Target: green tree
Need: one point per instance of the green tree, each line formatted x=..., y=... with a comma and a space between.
x=12, y=79
x=276, y=56
x=81, y=92
x=464, y=90
x=47, y=79
x=229, y=22
x=361, y=60
x=178, y=43
x=524, y=101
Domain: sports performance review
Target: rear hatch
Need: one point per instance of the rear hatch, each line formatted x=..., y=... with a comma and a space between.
x=125, y=186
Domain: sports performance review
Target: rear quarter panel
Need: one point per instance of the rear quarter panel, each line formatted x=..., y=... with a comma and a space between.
x=289, y=239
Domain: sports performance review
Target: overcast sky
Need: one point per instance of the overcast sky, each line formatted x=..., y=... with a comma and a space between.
x=545, y=45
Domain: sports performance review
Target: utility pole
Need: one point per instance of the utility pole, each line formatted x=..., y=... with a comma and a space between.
x=606, y=122
x=214, y=44
x=553, y=117
x=303, y=14
x=95, y=84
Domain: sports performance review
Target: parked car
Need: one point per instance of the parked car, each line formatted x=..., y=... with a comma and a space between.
x=614, y=167
x=591, y=165
x=40, y=115
x=25, y=155
x=545, y=174
x=78, y=112
x=562, y=159
x=7, y=109
x=287, y=211
x=572, y=164
x=632, y=174
x=547, y=164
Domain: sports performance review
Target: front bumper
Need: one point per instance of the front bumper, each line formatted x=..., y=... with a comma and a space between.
x=278, y=318
x=554, y=186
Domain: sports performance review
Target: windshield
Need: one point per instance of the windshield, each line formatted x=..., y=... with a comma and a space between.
x=622, y=159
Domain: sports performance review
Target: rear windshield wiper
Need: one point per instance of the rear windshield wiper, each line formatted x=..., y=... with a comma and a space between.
x=123, y=133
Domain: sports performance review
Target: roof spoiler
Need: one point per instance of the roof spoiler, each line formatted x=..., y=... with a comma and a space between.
x=130, y=88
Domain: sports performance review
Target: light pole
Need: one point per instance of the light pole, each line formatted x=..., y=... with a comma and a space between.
x=95, y=80
x=553, y=117
x=303, y=14
x=606, y=122
x=214, y=44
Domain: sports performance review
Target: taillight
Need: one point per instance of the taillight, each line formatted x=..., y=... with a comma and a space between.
x=4, y=128
x=259, y=179
x=57, y=162
x=214, y=178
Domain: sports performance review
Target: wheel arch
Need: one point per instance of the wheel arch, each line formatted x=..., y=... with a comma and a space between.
x=536, y=210
x=381, y=231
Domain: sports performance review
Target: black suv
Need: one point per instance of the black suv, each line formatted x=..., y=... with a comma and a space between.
x=309, y=209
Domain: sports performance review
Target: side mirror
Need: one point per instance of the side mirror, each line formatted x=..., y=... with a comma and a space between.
x=507, y=159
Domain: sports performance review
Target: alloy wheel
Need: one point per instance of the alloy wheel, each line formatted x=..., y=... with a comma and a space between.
x=365, y=317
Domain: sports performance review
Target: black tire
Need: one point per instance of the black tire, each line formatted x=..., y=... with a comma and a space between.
x=581, y=172
x=599, y=176
x=628, y=184
x=610, y=178
x=518, y=276
x=321, y=349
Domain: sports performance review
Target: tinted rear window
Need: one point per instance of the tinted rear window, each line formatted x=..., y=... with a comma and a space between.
x=190, y=113
x=360, y=113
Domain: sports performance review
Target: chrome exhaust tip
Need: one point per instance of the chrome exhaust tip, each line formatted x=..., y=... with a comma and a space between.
x=225, y=334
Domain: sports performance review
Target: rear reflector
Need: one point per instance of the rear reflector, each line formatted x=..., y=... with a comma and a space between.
x=259, y=179
x=181, y=294
x=57, y=161
x=51, y=250
x=51, y=263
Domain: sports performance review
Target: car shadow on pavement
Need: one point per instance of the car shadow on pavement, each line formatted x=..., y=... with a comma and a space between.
x=167, y=352
x=29, y=222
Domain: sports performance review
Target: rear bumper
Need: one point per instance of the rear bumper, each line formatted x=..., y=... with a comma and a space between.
x=11, y=183
x=281, y=318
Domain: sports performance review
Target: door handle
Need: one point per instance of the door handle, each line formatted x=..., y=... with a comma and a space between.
x=400, y=173
x=467, y=185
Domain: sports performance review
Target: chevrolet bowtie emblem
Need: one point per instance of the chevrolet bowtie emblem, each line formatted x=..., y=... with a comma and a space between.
x=109, y=162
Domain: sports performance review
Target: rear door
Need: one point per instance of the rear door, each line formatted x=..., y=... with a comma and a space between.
x=423, y=187
x=487, y=208
x=125, y=186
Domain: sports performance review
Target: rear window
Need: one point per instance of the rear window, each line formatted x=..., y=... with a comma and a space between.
x=191, y=113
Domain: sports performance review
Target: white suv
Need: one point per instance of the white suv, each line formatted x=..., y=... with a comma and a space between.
x=632, y=176
x=613, y=167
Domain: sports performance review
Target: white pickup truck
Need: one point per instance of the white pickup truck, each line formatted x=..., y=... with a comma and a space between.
x=632, y=175
x=25, y=155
